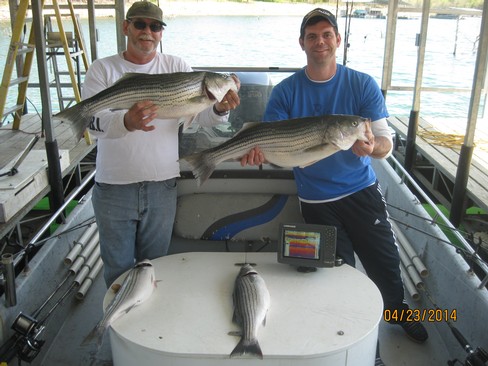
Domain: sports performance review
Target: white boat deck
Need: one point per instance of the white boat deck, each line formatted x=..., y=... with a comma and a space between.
x=67, y=349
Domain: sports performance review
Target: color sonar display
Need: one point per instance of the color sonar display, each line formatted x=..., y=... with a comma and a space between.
x=301, y=244
x=307, y=245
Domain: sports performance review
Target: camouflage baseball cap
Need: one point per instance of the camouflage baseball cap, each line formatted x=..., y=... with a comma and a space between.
x=145, y=9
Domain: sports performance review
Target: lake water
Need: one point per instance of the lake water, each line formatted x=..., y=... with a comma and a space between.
x=272, y=41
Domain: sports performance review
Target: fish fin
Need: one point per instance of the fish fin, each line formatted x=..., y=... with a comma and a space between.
x=77, y=117
x=201, y=168
x=323, y=150
x=129, y=75
x=97, y=332
x=235, y=333
x=185, y=122
x=246, y=126
x=308, y=164
x=236, y=318
x=247, y=347
x=131, y=307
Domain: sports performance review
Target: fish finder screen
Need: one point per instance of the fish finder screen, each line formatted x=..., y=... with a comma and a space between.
x=301, y=244
x=307, y=245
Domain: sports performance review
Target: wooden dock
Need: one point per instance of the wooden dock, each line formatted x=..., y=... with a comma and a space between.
x=438, y=146
x=19, y=193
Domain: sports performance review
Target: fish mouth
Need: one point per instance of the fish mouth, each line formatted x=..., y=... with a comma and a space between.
x=143, y=264
x=210, y=95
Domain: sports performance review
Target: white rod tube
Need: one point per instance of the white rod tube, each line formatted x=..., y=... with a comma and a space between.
x=414, y=257
x=411, y=270
x=87, y=266
x=75, y=267
x=80, y=295
x=79, y=244
x=409, y=285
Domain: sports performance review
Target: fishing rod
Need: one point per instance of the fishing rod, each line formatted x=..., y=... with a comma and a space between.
x=347, y=30
x=475, y=357
x=466, y=253
x=25, y=343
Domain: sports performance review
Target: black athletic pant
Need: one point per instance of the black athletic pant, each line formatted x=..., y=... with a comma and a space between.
x=362, y=226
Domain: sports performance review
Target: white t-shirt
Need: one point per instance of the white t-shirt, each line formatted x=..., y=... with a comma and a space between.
x=125, y=157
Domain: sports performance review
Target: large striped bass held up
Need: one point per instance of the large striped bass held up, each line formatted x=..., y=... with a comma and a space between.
x=180, y=94
x=251, y=303
x=136, y=288
x=288, y=143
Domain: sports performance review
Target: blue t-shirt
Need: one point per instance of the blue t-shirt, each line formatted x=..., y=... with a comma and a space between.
x=348, y=92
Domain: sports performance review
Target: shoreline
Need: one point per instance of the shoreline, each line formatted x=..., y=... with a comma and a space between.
x=173, y=9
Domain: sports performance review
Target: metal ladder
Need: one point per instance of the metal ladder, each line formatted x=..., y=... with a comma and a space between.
x=22, y=54
x=53, y=50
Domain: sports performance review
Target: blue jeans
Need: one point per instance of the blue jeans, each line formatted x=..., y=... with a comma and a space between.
x=135, y=222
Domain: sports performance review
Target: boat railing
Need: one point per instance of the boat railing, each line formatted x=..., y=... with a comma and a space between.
x=14, y=260
x=440, y=218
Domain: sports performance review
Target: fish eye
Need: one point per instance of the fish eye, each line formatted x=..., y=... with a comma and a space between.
x=355, y=123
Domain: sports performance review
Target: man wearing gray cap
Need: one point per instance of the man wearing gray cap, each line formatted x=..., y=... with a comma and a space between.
x=342, y=190
x=134, y=197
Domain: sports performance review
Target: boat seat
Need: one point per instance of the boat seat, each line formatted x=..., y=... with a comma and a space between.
x=234, y=216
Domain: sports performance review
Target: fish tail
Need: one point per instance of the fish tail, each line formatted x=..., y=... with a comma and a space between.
x=96, y=333
x=201, y=166
x=247, y=347
x=77, y=117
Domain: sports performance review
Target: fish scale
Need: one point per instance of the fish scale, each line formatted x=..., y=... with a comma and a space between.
x=249, y=296
x=251, y=303
x=287, y=143
x=177, y=95
x=136, y=288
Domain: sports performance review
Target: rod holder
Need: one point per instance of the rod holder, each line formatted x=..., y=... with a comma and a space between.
x=8, y=270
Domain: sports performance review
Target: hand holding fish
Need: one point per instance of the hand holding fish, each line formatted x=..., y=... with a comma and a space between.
x=231, y=99
x=376, y=146
x=140, y=115
x=365, y=147
x=254, y=157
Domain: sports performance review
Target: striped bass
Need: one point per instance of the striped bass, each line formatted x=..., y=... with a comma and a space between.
x=251, y=303
x=290, y=143
x=180, y=94
x=136, y=288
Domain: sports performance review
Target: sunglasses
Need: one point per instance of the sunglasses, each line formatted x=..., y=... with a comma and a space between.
x=141, y=25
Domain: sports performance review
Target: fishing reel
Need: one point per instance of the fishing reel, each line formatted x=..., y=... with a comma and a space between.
x=479, y=357
x=28, y=330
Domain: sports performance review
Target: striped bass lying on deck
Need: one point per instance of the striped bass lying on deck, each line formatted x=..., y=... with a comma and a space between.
x=136, y=288
x=180, y=94
x=251, y=303
x=289, y=143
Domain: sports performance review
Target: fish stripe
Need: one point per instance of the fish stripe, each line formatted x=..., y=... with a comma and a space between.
x=287, y=143
x=251, y=302
x=181, y=94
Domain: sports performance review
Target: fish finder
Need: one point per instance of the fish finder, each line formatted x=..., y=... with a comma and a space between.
x=307, y=246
